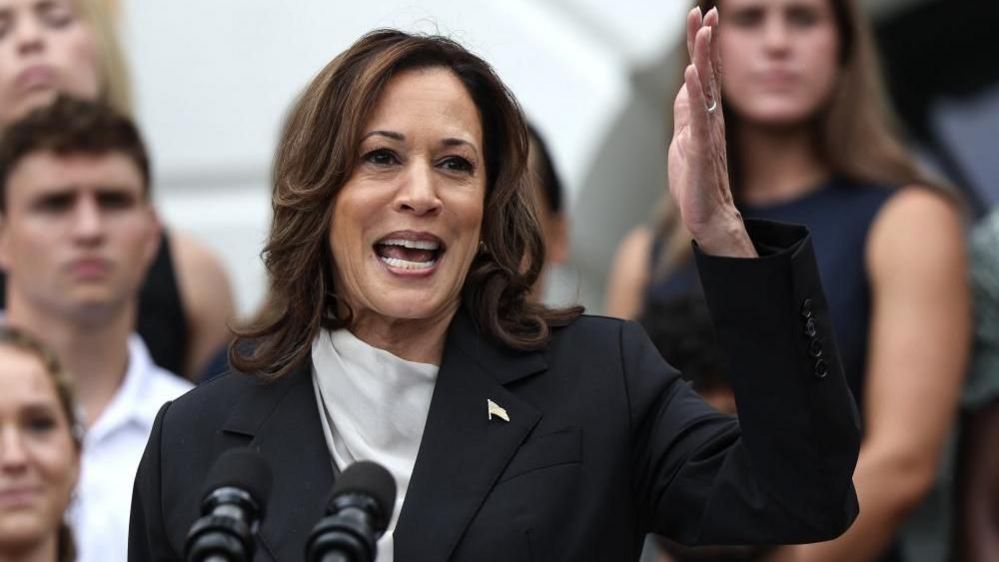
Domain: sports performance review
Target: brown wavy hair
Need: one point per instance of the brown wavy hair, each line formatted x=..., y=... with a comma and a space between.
x=317, y=155
x=856, y=133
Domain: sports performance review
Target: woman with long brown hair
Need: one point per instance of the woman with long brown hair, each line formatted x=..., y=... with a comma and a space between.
x=810, y=141
x=40, y=440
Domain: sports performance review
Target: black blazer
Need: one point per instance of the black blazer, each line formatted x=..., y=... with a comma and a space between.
x=605, y=441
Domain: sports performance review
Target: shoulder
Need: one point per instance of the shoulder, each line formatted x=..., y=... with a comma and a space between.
x=208, y=407
x=594, y=334
x=918, y=225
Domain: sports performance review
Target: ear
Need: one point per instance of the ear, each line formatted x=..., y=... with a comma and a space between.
x=558, y=244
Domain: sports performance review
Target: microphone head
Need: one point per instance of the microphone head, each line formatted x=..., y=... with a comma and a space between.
x=241, y=468
x=368, y=479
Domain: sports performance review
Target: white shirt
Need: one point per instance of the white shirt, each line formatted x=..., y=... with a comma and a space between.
x=373, y=406
x=112, y=449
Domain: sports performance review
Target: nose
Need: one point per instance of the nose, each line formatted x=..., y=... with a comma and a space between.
x=775, y=35
x=29, y=35
x=418, y=192
x=13, y=455
x=88, y=222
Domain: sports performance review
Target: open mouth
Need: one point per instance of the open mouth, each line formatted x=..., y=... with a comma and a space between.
x=411, y=254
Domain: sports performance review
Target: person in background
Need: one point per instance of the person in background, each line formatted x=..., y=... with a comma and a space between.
x=70, y=46
x=40, y=440
x=77, y=234
x=549, y=194
x=810, y=142
x=977, y=536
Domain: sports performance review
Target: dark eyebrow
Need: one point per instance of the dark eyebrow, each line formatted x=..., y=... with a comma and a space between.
x=390, y=134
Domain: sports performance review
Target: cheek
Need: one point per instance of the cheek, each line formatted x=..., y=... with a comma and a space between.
x=823, y=65
x=78, y=55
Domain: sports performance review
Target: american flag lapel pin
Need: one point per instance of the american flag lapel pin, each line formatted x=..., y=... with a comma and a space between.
x=494, y=409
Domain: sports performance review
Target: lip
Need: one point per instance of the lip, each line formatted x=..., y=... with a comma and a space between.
x=35, y=77
x=89, y=268
x=777, y=78
x=19, y=497
x=415, y=236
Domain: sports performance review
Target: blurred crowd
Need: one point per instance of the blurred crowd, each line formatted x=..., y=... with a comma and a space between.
x=108, y=313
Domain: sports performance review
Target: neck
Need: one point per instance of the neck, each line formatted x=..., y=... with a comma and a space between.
x=44, y=551
x=413, y=340
x=777, y=164
x=92, y=346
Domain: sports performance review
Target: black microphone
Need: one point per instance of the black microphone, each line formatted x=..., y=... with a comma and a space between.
x=231, y=509
x=357, y=513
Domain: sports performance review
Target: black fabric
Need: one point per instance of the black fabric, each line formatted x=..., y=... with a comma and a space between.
x=604, y=441
x=839, y=215
x=161, y=323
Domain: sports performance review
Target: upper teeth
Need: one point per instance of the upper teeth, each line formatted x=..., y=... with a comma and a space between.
x=412, y=244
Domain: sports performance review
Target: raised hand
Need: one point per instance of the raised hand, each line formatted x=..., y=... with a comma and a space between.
x=698, y=164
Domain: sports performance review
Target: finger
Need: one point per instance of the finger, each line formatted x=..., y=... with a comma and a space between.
x=693, y=24
x=697, y=108
x=702, y=61
x=713, y=20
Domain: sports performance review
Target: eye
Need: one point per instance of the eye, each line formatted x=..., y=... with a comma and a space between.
x=40, y=423
x=56, y=14
x=382, y=157
x=457, y=164
x=114, y=200
x=802, y=16
x=55, y=203
x=4, y=24
x=746, y=17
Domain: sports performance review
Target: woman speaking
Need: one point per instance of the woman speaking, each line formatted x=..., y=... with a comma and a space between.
x=404, y=245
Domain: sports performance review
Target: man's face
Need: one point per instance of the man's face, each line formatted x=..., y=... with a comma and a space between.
x=78, y=233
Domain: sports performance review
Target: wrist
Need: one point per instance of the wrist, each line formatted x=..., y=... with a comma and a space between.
x=725, y=236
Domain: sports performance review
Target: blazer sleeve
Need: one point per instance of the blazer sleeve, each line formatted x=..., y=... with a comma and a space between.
x=147, y=540
x=781, y=473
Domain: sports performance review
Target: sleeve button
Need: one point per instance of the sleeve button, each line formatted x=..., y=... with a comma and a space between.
x=821, y=368
x=810, y=328
x=815, y=348
x=806, y=308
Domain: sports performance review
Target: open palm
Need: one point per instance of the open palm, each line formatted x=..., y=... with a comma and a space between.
x=698, y=164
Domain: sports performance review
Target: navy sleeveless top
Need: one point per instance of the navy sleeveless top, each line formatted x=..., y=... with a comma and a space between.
x=839, y=214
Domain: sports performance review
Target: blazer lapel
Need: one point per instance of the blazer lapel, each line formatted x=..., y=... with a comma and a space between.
x=283, y=419
x=463, y=451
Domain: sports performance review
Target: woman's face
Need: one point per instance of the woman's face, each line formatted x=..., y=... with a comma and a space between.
x=45, y=49
x=39, y=463
x=780, y=58
x=405, y=226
